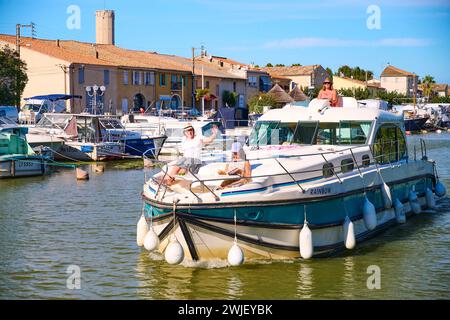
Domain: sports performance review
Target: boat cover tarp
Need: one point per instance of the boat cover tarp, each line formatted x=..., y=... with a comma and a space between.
x=54, y=97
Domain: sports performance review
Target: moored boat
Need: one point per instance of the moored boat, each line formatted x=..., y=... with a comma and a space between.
x=93, y=138
x=17, y=159
x=323, y=179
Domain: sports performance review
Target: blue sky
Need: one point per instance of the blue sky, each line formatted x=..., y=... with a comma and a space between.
x=413, y=34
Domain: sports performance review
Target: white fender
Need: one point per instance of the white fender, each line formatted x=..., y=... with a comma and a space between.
x=141, y=231
x=151, y=240
x=306, y=243
x=440, y=189
x=369, y=215
x=349, y=234
x=235, y=255
x=429, y=196
x=387, y=197
x=174, y=253
x=399, y=211
x=414, y=202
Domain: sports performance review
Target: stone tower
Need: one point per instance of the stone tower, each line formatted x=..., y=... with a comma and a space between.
x=104, y=27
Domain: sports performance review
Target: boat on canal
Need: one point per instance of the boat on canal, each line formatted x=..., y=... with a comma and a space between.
x=17, y=159
x=323, y=179
x=90, y=137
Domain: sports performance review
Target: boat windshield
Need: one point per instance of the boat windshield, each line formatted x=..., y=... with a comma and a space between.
x=309, y=132
x=54, y=121
x=111, y=124
x=34, y=107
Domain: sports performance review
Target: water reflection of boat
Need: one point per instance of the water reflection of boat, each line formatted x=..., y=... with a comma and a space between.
x=17, y=159
x=318, y=169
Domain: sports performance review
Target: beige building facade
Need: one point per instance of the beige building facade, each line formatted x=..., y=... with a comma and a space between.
x=397, y=80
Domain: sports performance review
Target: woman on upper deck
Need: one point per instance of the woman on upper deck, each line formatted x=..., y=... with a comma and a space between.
x=329, y=93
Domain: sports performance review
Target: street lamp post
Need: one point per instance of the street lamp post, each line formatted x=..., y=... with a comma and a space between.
x=94, y=92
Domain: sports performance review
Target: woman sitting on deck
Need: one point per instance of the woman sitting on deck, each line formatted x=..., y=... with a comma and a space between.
x=240, y=167
x=329, y=93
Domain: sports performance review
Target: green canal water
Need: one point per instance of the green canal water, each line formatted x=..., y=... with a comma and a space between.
x=48, y=224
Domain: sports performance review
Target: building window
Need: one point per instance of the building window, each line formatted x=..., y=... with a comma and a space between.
x=175, y=82
x=105, y=77
x=207, y=85
x=234, y=86
x=136, y=77
x=81, y=75
x=265, y=84
x=162, y=79
x=149, y=78
x=125, y=76
x=252, y=81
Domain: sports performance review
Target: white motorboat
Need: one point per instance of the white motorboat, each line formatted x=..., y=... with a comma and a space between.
x=323, y=179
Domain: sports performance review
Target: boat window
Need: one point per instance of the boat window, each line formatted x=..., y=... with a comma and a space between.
x=54, y=121
x=347, y=165
x=305, y=132
x=365, y=160
x=34, y=107
x=278, y=133
x=261, y=134
x=111, y=124
x=328, y=170
x=86, y=130
x=327, y=133
x=352, y=132
x=390, y=144
x=206, y=129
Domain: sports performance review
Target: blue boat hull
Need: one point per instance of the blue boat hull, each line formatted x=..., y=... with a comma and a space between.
x=415, y=124
x=150, y=146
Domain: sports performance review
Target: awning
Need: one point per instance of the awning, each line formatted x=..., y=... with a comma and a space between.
x=54, y=97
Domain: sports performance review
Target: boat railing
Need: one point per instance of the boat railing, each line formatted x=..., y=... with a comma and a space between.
x=334, y=170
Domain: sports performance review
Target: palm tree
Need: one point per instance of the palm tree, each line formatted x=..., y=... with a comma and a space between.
x=427, y=84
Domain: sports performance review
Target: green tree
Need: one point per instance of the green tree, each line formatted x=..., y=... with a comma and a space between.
x=358, y=93
x=279, y=65
x=330, y=72
x=427, y=84
x=258, y=102
x=296, y=65
x=13, y=77
x=200, y=93
x=393, y=97
x=269, y=65
x=229, y=98
x=356, y=72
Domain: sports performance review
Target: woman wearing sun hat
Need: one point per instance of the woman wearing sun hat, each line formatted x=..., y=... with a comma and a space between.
x=329, y=93
x=192, y=149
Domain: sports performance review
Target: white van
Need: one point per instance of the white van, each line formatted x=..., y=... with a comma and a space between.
x=33, y=109
x=9, y=112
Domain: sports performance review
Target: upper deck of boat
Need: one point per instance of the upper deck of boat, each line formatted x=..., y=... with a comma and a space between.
x=319, y=110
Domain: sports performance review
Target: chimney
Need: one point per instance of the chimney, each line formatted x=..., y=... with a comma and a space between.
x=104, y=27
x=94, y=46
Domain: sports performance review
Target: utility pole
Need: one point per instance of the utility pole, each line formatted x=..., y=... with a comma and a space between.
x=32, y=25
x=193, y=77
